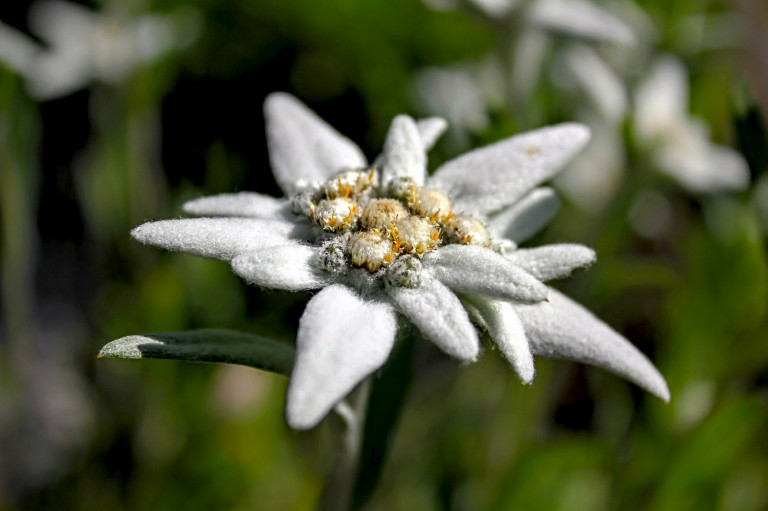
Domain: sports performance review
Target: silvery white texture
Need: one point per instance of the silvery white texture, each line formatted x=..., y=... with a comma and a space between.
x=82, y=45
x=388, y=241
x=680, y=144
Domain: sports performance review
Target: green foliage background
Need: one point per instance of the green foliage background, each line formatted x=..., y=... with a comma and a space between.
x=78, y=173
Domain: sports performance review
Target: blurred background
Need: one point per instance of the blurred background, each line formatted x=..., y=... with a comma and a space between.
x=116, y=112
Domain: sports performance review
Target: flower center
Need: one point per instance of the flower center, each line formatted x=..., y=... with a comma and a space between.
x=374, y=227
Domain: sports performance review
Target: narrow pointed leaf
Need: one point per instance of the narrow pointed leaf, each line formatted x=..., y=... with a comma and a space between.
x=219, y=238
x=209, y=345
x=527, y=216
x=440, y=317
x=290, y=267
x=342, y=338
x=477, y=270
x=388, y=394
x=563, y=329
x=302, y=146
x=487, y=179
x=553, y=261
x=246, y=204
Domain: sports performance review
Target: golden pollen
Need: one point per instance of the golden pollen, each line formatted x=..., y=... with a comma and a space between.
x=466, y=230
x=335, y=215
x=431, y=204
x=413, y=232
x=348, y=184
x=382, y=213
x=370, y=250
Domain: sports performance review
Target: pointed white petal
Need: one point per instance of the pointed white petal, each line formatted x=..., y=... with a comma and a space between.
x=342, y=338
x=580, y=18
x=404, y=153
x=438, y=313
x=526, y=217
x=219, y=238
x=481, y=271
x=489, y=178
x=553, y=261
x=507, y=332
x=701, y=166
x=563, y=329
x=302, y=146
x=430, y=130
x=661, y=100
x=248, y=204
x=290, y=267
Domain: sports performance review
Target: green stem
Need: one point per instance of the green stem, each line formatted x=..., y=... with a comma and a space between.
x=340, y=484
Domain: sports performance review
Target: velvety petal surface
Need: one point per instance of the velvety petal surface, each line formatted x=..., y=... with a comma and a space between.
x=507, y=332
x=526, y=217
x=290, y=267
x=563, y=329
x=302, y=146
x=404, y=152
x=481, y=271
x=342, y=338
x=553, y=261
x=248, y=204
x=430, y=130
x=219, y=238
x=439, y=315
x=487, y=179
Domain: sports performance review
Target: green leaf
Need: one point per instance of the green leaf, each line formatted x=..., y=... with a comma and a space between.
x=384, y=407
x=209, y=345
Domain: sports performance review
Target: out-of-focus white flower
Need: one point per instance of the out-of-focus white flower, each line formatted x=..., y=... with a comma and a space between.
x=389, y=240
x=594, y=176
x=527, y=27
x=462, y=94
x=600, y=84
x=680, y=143
x=592, y=179
x=579, y=18
x=84, y=45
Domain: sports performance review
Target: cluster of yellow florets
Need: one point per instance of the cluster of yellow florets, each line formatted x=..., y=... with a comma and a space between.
x=379, y=226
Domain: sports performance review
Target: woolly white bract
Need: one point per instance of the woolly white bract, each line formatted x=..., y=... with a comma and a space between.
x=386, y=239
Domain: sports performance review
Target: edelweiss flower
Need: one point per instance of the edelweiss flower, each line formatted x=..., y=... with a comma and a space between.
x=84, y=45
x=384, y=240
x=680, y=143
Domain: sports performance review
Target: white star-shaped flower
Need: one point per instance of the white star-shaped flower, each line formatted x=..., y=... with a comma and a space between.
x=386, y=240
x=680, y=144
x=83, y=45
